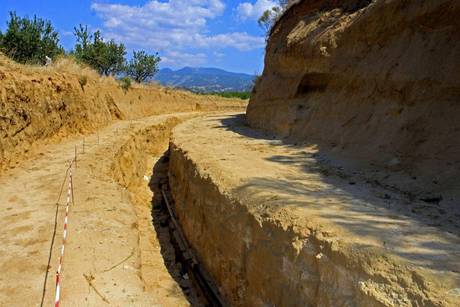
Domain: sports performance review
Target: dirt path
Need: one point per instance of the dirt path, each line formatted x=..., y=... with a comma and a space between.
x=113, y=256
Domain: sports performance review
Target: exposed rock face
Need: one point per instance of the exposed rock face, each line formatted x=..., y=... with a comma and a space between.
x=377, y=80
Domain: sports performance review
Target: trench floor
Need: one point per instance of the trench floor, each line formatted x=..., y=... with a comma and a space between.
x=103, y=264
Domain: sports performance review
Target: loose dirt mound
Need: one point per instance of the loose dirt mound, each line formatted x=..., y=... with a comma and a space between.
x=377, y=81
x=38, y=103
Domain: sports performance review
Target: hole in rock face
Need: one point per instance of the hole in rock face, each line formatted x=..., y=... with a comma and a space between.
x=313, y=82
x=348, y=6
x=351, y=6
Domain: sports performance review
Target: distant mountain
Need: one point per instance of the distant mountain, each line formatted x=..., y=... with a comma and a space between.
x=205, y=79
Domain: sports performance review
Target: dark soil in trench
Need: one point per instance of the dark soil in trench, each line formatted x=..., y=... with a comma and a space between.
x=186, y=272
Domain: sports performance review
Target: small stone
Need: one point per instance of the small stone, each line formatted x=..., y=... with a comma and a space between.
x=454, y=292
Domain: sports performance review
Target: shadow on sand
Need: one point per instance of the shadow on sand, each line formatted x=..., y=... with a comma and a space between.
x=161, y=222
x=366, y=208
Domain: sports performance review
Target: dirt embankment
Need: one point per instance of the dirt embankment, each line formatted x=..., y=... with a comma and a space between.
x=38, y=103
x=276, y=227
x=376, y=81
x=132, y=170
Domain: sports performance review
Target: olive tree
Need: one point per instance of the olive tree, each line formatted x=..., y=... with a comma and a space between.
x=30, y=40
x=142, y=66
x=107, y=57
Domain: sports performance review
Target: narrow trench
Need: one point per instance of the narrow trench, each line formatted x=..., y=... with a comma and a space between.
x=181, y=264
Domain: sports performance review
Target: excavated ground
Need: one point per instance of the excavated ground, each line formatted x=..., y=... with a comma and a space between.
x=279, y=224
x=43, y=105
x=115, y=255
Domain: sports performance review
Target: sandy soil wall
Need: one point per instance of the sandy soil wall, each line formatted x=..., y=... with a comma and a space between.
x=261, y=259
x=377, y=81
x=133, y=161
x=38, y=104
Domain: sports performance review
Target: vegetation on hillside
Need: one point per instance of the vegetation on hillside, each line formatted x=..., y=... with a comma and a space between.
x=35, y=41
x=107, y=57
x=239, y=95
x=30, y=40
x=142, y=66
x=125, y=83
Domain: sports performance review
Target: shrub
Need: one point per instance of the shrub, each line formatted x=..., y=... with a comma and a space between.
x=270, y=16
x=240, y=95
x=125, y=83
x=108, y=58
x=29, y=40
x=83, y=80
x=143, y=66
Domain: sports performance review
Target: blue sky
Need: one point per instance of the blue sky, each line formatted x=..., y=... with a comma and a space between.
x=208, y=33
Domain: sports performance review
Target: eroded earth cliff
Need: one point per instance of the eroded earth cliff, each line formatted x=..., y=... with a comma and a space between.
x=376, y=80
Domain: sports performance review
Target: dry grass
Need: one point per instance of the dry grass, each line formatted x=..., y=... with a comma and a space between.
x=68, y=65
x=65, y=64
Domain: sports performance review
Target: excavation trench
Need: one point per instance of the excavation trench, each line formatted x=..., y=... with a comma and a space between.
x=200, y=289
x=148, y=189
x=269, y=223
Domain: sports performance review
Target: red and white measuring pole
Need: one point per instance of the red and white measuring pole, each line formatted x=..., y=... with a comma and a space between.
x=64, y=236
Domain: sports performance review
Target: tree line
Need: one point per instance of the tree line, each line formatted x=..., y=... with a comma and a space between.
x=32, y=41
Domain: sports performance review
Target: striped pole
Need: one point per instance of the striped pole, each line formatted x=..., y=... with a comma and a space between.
x=64, y=238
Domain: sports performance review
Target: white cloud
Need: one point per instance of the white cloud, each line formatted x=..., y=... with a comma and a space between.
x=172, y=27
x=239, y=40
x=176, y=59
x=183, y=14
x=247, y=10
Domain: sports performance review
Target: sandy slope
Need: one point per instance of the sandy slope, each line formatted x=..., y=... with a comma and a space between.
x=107, y=227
